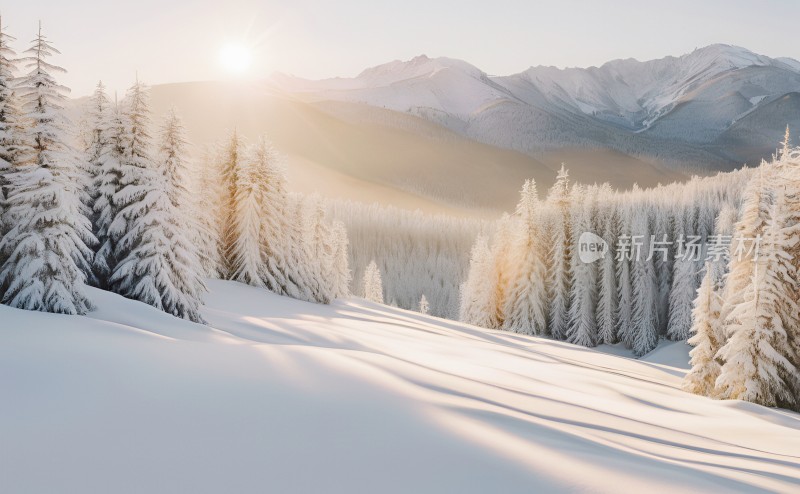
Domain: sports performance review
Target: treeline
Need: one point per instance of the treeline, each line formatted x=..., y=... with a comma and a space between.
x=531, y=278
x=128, y=212
x=417, y=254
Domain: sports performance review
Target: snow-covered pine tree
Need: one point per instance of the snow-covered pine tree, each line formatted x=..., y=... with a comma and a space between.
x=231, y=156
x=341, y=268
x=98, y=120
x=663, y=256
x=645, y=286
x=173, y=162
x=373, y=287
x=607, y=310
x=9, y=111
x=286, y=269
x=45, y=250
x=502, y=267
x=754, y=211
x=476, y=294
x=683, y=293
x=106, y=185
x=207, y=193
x=559, y=255
x=10, y=131
x=424, y=307
x=526, y=299
x=756, y=356
x=624, y=328
x=249, y=201
x=157, y=265
x=319, y=250
x=582, y=329
x=707, y=338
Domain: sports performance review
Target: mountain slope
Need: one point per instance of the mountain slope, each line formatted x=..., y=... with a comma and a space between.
x=668, y=112
x=284, y=396
x=356, y=151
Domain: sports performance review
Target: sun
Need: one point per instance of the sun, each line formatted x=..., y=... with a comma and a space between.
x=235, y=58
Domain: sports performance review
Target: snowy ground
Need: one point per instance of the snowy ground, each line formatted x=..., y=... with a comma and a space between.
x=283, y=396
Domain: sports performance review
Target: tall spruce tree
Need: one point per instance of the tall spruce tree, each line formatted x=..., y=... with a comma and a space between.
x=559, y=255
x=157, y=265
x=45, y=250
x=526, y=300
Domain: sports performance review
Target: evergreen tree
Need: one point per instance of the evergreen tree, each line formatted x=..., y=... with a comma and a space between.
x=559, y=257
x=424, y=308
x=476, y=294
x=582, y=329
x=607, y=310
x=644, y=282
x=501, y=270
x=9, y=111
x=682, y=294
x=526, y=300
x=231, y=157
x=756, y=367
x=286, y=268
x=319, y=251
x=624, y=326
x=707, y=338
x=249, y=203
x=10, y=131
x=207, y=185
x=157, y=264
x=111, y=151
x=341, y=269
x=45, y=251
x=373, y=287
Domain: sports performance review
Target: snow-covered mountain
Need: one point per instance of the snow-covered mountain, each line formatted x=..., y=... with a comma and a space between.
x=674, y=110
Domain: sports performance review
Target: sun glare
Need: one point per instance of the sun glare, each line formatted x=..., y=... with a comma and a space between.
x=235, y=58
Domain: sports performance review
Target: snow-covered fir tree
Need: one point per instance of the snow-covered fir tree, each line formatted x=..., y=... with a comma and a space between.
x=624, y=328
x=707, y=338
x=683, y=292
x=207, y=187
x=559, y=255
x=373, y=286
x=319, y=245
x=45, y=250
x=286, y=269
x=756, y=356
x=607, y=310
x=111, y=132
x=526, y=298
x=582, y=328
x=424, y=307
x=476, y=293
x=10, y=130
x=645, y=286
x=502, y=266
x=156, y=263
x=9, y=110
x=341, y=268
x=245, y=251
x=231, y=157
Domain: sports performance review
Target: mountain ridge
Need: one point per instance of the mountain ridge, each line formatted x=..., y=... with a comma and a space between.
x=674, y=110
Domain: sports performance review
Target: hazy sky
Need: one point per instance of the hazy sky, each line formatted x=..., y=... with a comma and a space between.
x=179, y=40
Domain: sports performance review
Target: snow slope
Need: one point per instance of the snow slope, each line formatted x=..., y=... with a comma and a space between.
x=284, y=396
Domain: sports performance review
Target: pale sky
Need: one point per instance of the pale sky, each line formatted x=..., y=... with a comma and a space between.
x=180, y=40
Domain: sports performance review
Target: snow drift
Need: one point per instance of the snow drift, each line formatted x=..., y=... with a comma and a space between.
x=278, y=395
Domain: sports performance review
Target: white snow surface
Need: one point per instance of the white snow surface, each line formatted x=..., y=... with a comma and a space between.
x=284, y=396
